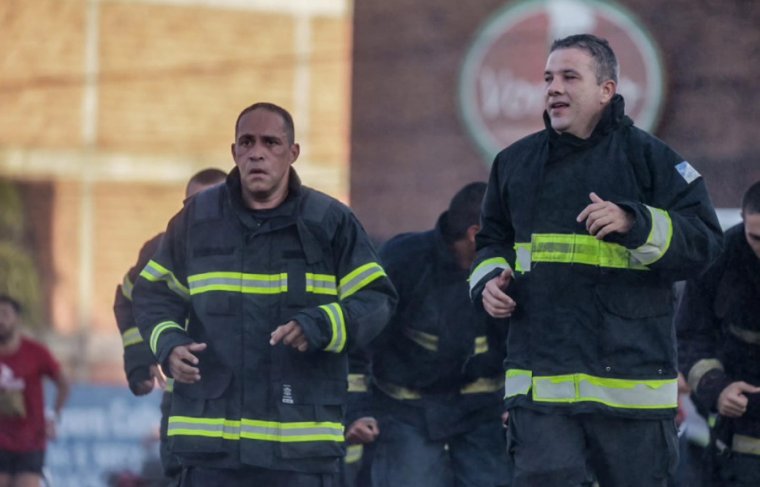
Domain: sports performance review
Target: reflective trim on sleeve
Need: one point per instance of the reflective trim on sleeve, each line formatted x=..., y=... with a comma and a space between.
x=254, y=429
x=126, y=287
x=481, y=345
x=746, y=336
x=615, y=393
x=485, y=268
x=699, y=369
x=658, y=240
x=357, y=383
x=238, y=282
x=424, y=340
x=517, y=381
x=337, y=327
x=354, y=453
x=359, y=278
x=158, y=330
x=155, y=272
x=131, y=337
x=483, y=385
x=321, y=284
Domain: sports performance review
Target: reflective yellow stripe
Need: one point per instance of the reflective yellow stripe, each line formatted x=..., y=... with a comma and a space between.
x=749, y=445
x=401, y=393
x=517, y=381
x=658, y=240
x=321, y=284
x=131, y=337
x=337, y=327
x=571, y=248
x=482, y=385
x=155, y=272
x=359, y=278
x=354, y=453
x=425, y=340
x=126, y=287
x=699, y=369
x=156, y=333
x=485, y=268
x=238, y=282
x=254, y=429
x=615, y=393
x=169, y=384
x=357, y=383
x=481, y=345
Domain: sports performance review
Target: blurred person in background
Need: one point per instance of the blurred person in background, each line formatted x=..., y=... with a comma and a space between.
x=258, y=288
x=24, y=428
x=434, y=410
x=586, y=225
x=140, y=366
x=718, y=323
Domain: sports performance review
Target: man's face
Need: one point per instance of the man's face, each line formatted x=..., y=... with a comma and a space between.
x=752, y=231
x=574, y=99
x=9, y=321
x=263, y=155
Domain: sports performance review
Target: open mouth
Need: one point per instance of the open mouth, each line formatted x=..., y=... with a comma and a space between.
x=557, y=105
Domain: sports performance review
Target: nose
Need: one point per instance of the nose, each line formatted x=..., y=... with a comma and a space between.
x=554, y=87
x=255, y=152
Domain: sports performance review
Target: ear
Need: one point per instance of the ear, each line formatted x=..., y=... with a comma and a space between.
x=295, y=150
x=232, y=151
x=607, y=91
x=472, y=230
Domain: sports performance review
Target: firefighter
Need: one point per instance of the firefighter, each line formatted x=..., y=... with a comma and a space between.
x=718, y=323
x=436, y=378
x=275, y=281
x=585, y=227
x=140, y=366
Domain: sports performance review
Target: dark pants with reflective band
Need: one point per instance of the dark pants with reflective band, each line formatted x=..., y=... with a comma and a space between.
x=250, y=477
x=405, y=456
x=14, y=463
x=571, y=450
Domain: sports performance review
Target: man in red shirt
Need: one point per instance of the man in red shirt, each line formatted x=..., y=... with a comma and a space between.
x=23, y=427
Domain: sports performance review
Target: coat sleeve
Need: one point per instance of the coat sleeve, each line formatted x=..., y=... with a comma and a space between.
x=161, y=296
x=366, y=297
x=496, y=238
x=676, y=231
x=698, y=329
x=137, y=356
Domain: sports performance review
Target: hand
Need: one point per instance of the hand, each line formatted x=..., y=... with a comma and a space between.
x=145, y=387
x=732, y=402
x=158, y=374
x=505, y=419
x=363, y=430
x=495, y=300
x=604, y=217
x=182, y=363
x=291, y=334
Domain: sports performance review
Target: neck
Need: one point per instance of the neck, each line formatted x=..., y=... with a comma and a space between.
x=10, y=343
x=268, y=203
x=463, y=251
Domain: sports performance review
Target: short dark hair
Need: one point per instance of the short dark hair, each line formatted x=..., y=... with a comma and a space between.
x=287, y=119
x=464, y=210
x=210, y=175
x=598, y=48
x=751, y=199
x=4, y=298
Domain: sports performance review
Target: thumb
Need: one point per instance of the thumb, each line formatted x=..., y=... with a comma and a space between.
x=196, y=347
x=505, y=277
x=595, y=198
x=744, y=387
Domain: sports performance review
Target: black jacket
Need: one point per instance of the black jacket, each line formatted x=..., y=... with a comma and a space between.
x=235, y=275
x=718, y=323
x=593, y=326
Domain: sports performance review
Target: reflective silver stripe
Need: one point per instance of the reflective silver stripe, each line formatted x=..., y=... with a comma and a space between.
x=251, y=429
x=749, y=445
x=238, y=282
x=337, y=327
x=131, y=337
x=158, y=330
x=425, y=340
x=126, y=287
x=615, y=393
x=699, y=369
x=517, y=381
x=747, y=336
x=522, y=252
x=658, y=240
x=481, y=345
x=485, y=268
x=155, y=272
x=321, y=284
x=360, y=277
x=357, y=383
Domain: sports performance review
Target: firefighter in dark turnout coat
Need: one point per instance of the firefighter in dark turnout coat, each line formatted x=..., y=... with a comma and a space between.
x=585, y=227
x=718, y=323
x=275, y=280
x=436, y=376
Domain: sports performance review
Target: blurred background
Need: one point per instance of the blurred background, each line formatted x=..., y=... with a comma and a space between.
x=107, y=107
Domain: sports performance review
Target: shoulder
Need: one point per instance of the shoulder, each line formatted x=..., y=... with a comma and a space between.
x=322, y=209
x=407, y=249
x=525, y=145
x=32, y=346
